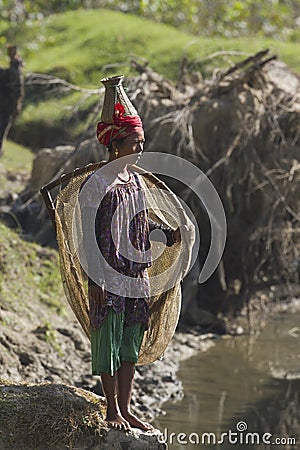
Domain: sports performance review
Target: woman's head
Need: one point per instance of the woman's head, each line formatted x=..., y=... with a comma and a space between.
x=131, y=145
x=125, y=134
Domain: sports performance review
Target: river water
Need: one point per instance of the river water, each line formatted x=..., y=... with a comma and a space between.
x=232, y=389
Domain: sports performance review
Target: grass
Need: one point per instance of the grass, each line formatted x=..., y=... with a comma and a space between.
x=82, y=46
x=79, y=45
x=29, y=276
x=16, y=157
x=48, y=415
x=51, y=121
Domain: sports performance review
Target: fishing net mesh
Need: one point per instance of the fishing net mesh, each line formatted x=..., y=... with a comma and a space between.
x=173, y=261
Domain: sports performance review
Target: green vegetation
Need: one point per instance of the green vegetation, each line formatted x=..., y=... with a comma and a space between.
x=207, y=18
x=83, y=45
x=29, y=276
x=63, y=416
x=16, y=158
x=48, y=334
x=54, y=120
x=222, y=18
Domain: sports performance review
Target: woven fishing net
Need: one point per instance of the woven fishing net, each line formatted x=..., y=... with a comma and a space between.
x=172, y=264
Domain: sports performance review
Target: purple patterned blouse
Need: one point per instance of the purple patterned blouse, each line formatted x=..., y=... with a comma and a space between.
x=122, y=227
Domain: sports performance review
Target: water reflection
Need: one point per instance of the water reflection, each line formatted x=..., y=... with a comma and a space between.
x=233, y=383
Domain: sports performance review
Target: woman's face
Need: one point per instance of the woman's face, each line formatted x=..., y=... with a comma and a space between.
x=132, y=145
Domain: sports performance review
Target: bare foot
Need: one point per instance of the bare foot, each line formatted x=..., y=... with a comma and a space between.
x=135, y=422
x=117, y=422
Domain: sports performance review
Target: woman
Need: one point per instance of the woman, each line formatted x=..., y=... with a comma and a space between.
x=118, y=320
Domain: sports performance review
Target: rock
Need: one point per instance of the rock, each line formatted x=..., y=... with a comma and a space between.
x=10, y=185
x=46, y=165
x=59, y=416
x=137, y=439
x=52, y=162
x=283, y=78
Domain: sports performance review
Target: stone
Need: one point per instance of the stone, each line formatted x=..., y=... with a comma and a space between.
x=46, y=165
x=133, y=440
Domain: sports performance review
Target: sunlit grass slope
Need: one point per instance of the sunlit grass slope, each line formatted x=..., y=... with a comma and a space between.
x=79, y=45
x=29, y=276
x=83, y=46
x=16, y=157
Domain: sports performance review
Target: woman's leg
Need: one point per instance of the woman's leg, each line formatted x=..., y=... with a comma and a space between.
x=105, y=344
x=125, y=384
x=113, y=414
x=131, y=344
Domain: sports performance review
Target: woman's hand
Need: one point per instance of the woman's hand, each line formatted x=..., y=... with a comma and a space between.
x=97, y=294
x=177, y=235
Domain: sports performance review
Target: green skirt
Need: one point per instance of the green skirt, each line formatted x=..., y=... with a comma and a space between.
x=113, y=343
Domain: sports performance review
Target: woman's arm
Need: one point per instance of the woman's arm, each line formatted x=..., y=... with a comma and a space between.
x=172, y=236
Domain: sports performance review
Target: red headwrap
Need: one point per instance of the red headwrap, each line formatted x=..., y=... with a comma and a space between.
x=121, y=127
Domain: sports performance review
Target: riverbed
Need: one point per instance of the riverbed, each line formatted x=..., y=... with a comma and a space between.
x=242, y=393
